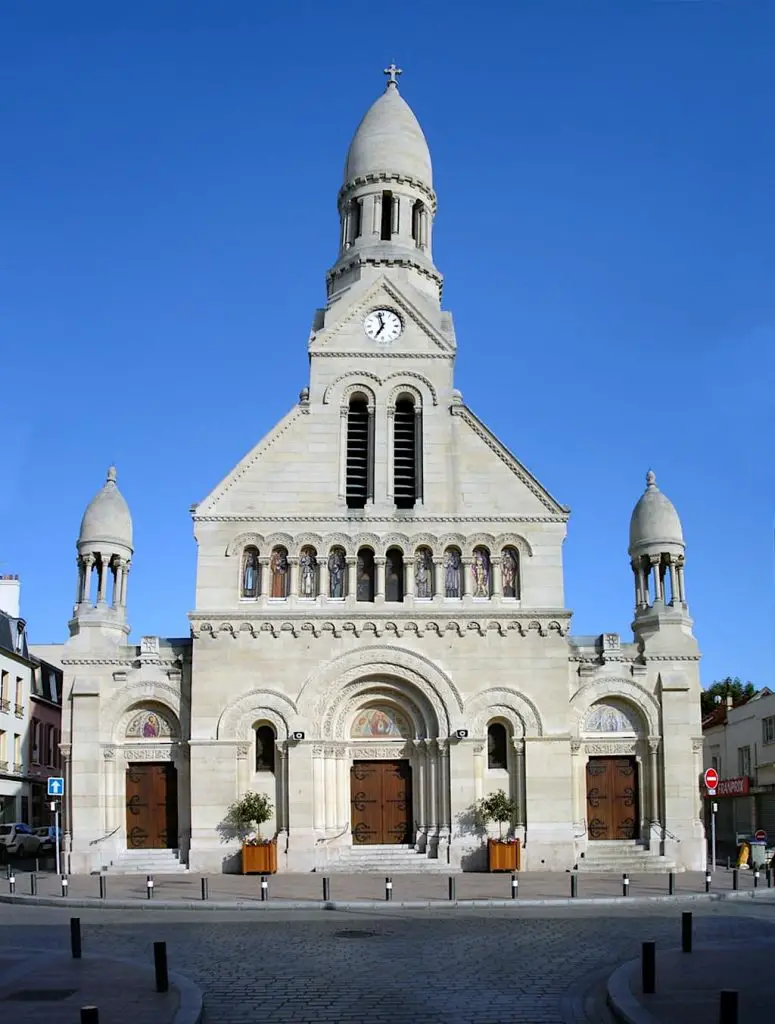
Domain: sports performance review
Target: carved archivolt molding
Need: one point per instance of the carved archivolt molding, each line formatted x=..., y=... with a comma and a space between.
x=450, y=540
x=244, y=540
x=132, y=696
x=514, y=540
x=237, y=718
x=411, y=375
x=367, y=540
x=276, y=540
x=645, y=703
x=502, y=702
x=338, y=540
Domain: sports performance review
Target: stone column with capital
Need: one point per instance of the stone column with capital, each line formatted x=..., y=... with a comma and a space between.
x=264, y=577
x=438, y=578
x=469, y=583
x=497, y=576
x=343, y=411
x=104, y=569
x=674, y=598
x=281, y=776
x=656, y=561
x=520, y=818
x=118, y=586
x=379, y=566
x=352, y=578
x=421, y=796
x=325, y=585
x=681, y=585
x=409, y=577
x=654, y=780
x=293, y=583
x=443, y=782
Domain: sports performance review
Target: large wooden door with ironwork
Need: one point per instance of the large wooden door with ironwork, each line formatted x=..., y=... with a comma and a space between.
x=381, y=802
x=613, y=807
x=151, y=807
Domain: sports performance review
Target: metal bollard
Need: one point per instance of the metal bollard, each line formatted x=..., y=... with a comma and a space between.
x=160, y=966
x=625, y=885
x=756, y=878
x=326, y=889
x=574, y=885
x=649, y=968
x=768, y=876
x=728, y=1006
x=103, y=887
x=8, y=872
x=90, y=1015
x=205, y=889
x=729, y=862
x=686, y=931
x=735, y=879
x=75, y=937
x=264, y=889
x=12, y=884
x=451, y=888
x=33, y=884
x=707, y=881
x=388, y=889
x=37, y=866
x=671, y=884
x=514, y=886
x=65, y=884
x=149, y=887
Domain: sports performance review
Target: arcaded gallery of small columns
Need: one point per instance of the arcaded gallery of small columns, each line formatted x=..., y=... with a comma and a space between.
x=448, y=569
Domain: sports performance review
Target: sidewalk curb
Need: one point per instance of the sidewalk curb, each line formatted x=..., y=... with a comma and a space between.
x=94, y=903
x=622, y=1003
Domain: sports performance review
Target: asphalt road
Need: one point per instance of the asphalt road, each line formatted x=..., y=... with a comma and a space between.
x=441, y=967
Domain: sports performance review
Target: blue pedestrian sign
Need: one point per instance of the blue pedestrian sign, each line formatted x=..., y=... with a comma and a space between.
x=56, y=787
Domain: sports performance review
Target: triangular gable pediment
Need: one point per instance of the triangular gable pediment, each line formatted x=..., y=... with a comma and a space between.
x=342, y=330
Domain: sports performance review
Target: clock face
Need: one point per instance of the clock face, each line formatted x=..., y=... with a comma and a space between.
x=382, y=325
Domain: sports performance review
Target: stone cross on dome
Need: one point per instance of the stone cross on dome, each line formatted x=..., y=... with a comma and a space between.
x=392, y=71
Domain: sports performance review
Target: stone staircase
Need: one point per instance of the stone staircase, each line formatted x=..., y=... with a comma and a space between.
x=620, y=856
x=147, y=862
x=379, y=860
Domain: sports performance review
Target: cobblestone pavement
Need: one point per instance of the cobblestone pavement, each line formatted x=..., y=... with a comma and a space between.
x=478, y=966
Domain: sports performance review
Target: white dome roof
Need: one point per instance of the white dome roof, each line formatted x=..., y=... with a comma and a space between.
x=654, y=526
x=106, y=521
x=389, y=138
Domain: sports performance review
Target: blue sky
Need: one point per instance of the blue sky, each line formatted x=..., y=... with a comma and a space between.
x=605, y=173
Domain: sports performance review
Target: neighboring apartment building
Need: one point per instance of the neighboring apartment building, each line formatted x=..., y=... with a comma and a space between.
x=30, y=717
x=15, y=685
x=739, y=742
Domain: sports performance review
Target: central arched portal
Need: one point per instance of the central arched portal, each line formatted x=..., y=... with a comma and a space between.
x=384, y=766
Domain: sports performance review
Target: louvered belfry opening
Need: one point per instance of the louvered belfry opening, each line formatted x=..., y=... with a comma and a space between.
x=406, y=454
x=359, y=445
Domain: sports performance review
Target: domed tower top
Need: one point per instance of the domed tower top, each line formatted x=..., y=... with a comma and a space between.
x=389, y=139
x=654, y=526
x=656, y=551
x=106, y=521
x=387, y=203
x=105, y=551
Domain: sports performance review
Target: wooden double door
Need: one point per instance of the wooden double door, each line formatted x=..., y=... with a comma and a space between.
x=381, y=802
x=613, y=803
x=151, y=807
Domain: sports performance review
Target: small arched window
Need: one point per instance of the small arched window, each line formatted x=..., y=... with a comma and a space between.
x=418, y=223
x=265, y=748
x=497, y=746
x=510, y=572
x=337, y=573
x=278, y=568
x=387, y=226
x=360, y=452
x=249, y=573
x=453, y=573
x=355, y=220
x=407, y=452
x=365, y=575
x=308, y=572
x=394, y=575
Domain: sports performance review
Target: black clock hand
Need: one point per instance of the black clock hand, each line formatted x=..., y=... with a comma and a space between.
x=381, y=323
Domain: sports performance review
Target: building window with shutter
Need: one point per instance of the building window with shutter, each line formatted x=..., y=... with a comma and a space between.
x=768, y=729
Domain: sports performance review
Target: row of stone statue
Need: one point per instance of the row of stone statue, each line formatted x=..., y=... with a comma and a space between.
x=452, y=574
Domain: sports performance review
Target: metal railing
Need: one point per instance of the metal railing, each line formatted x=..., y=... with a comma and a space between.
x=658, y=824
x=107, y=835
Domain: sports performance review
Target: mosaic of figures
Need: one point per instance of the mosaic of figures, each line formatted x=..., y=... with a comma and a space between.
x=422, y=572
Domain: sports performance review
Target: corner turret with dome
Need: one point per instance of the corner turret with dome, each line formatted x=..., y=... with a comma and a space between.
x=657, y=551
x=387, y=203
x=104, y=551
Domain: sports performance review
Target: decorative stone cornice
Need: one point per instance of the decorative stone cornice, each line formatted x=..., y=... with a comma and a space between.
x=471, y=622
x=426, y=519
x=377, y=177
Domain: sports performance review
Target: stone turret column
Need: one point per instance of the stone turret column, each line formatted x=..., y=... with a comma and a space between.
x=379, y=589
x=438, y=578
x=352, y=578
x=325, y=583
x=409, y=577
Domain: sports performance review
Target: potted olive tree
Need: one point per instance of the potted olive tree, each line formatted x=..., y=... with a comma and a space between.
x=244, y=819
x=502, y=853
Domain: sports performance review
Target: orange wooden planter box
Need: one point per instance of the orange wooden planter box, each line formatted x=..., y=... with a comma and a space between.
x=259, y=860
x=503, y=856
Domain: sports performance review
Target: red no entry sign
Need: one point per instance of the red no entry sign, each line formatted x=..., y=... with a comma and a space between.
x=761, y=836
x=711, y=779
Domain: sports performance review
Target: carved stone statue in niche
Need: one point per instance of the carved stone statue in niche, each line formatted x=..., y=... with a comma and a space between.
x=307, y=574
x=452, y=574
x=481, y=569
x=509, y=572
x=336, y=568
x=250, y=574
x=278, y=565
x=423, y=573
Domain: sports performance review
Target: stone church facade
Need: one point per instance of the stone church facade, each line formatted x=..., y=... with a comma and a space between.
x=380, y=635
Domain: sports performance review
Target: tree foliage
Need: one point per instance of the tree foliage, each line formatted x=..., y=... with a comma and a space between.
x=496, y=807
x=246, y=815
x=734, y=688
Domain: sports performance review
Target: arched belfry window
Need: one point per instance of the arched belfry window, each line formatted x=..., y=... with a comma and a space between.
x=364, y=580
x=265, y=748
x=418, y=224
x=497, y=746
x=394, y=575
x=360, y=452
x=407, y=452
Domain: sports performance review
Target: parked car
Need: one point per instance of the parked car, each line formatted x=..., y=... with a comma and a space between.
x=18, y=839
x=48, y=837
